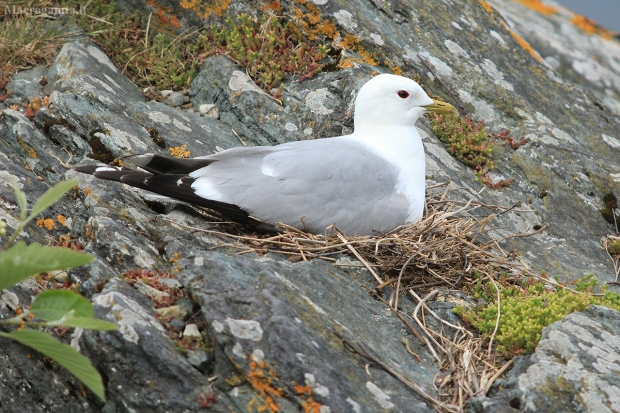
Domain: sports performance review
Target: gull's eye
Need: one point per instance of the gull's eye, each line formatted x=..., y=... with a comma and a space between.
x=403, y=94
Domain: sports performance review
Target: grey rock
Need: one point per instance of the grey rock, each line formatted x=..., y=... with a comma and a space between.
x=191, y=330
x=198, y=359
x=173, y=311
x=574, y=369
x=178, y=324
x=282, y=314
x=26, y=85
x=170, y=282
x=210, y=110
x=272, y=311
x=141, y=363
x=166, y=93
x=175, y=99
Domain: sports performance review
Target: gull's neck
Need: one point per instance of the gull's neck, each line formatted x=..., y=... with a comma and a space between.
x=402, y=147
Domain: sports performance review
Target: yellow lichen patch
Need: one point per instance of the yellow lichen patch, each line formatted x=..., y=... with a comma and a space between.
x=28, y=149
x=179, y=151
x=395, y=69
x=349, y=42
x=590, y=26
x=48, y=223
x=262, y=378
x=539, y=6
x=349, y=62
x=188, y=4
x=525, y=45
x=352, y=43
x=62, y=220
x=175, y=257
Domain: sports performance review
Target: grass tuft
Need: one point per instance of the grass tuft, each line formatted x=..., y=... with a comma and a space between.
x=26, y=42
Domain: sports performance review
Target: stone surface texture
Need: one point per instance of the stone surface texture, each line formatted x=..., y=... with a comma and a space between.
x=274, y=332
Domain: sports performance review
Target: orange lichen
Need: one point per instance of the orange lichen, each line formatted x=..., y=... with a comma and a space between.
x=486, y=6
x=303, y=390
x=164, y=15
x=308, y=405
x=272, y=5
x=525, y=45
x=48, y=223
x=87, y=192
x=312, y=23
x=539, y=7
x=179, y=151
x=62, y=220
x=349, y=62
x=591, y=27
x=207, y=8
x=349, y=42
x=352, y=43
x=395, y=69
x=262, y=378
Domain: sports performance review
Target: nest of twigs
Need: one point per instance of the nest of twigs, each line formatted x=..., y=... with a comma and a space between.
x=438, y=254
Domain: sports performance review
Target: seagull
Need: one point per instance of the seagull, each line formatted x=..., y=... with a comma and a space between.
x=366, y=183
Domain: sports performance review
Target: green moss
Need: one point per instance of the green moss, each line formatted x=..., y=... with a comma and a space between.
x=525, y=311
x=267, y=47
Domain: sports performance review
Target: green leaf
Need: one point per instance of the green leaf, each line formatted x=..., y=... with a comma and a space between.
x=85, y=322
x=63, y=354
x=52, y=305
x=21, y=261
x=21, y=199
x=49, y=197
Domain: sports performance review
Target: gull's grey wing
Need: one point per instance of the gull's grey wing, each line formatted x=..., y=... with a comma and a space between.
x=308, y=185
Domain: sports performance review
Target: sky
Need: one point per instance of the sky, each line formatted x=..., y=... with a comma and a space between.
x=605, y=12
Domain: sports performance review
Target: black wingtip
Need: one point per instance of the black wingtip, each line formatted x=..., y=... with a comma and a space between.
x=160, y=165
x=87, y=169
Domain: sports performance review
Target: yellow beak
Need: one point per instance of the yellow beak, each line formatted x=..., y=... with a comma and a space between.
x=441, y=107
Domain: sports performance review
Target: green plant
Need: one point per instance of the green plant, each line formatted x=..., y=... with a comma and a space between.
x=526, y=311
x=267, y=47
x=466, y=139
x=148, y=53
x=51, y=308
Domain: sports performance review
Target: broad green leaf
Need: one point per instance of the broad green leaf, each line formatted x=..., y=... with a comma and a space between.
x=49, y=197
x=63, y=354
x=85, y=322
x=21, y=199
x=52, y=305
x=21, y=261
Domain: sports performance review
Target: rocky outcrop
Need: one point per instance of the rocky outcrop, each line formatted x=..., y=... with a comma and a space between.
x=275, y=334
